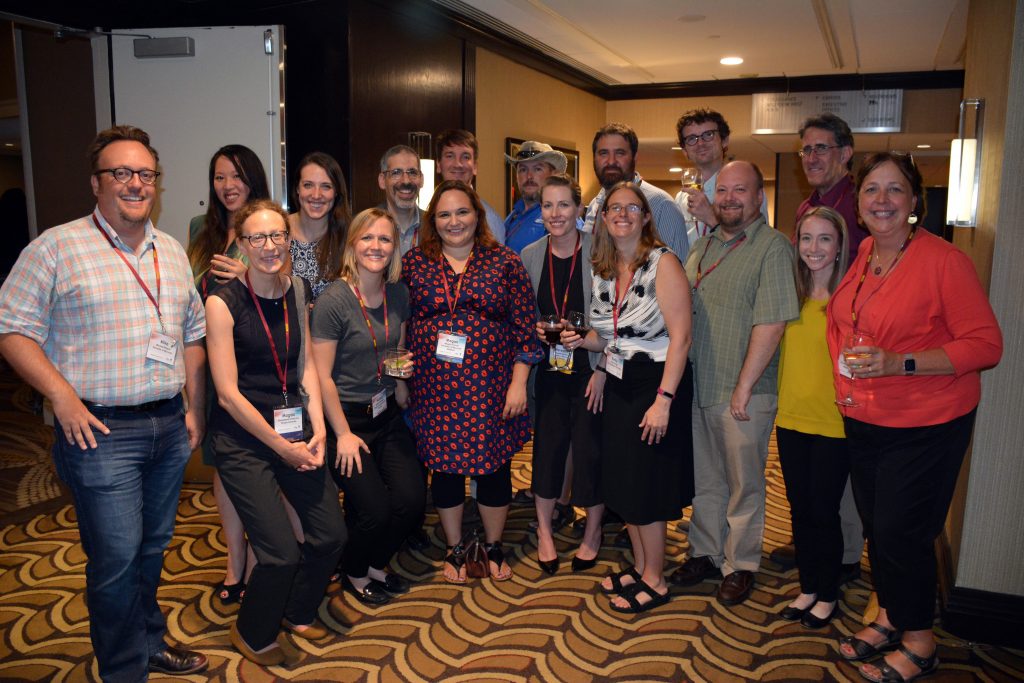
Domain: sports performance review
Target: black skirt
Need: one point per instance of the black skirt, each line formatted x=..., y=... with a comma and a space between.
x=646, y=483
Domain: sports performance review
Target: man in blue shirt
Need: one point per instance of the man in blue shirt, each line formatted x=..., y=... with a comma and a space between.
x=533, y=163
x=457, y=152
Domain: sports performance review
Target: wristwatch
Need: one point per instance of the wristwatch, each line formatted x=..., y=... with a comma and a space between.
x=909, y=364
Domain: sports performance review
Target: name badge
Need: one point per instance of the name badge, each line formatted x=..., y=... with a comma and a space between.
x=615, y=364
x=288, y=423
x=560, y=358
x=162, y=348
x=451, y=347
x=379, y=402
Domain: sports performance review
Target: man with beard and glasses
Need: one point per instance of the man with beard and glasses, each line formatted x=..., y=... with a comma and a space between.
x=615, y=146
x=457, y=153
x=101, y=316
x=743, y=295
x=401, y=179
x=704, y=137
x=533, y=163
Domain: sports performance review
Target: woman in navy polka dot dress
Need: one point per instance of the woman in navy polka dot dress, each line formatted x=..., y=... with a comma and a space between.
x=472, y=334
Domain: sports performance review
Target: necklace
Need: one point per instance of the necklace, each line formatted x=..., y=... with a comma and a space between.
x=899, y=253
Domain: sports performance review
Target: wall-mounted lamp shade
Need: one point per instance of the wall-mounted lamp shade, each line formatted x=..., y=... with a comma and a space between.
x=427, y=191
x=965, y=168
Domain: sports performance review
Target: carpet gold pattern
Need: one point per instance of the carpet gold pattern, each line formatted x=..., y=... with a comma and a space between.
x=533, y=628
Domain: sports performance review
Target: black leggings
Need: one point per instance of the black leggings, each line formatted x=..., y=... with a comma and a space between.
x=492, y=490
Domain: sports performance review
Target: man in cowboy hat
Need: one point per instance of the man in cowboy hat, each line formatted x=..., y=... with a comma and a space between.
x=533, y=163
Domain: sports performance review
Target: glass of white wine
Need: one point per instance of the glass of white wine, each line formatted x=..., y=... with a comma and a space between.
x=853, y=357
x=691, y=178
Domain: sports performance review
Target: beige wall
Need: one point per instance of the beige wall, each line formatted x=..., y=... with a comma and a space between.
x=515, y=101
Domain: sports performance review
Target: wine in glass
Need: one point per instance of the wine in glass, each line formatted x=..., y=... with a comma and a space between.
x=552, y=326
x=574, y=322
x=854, y=359
x=691, y=178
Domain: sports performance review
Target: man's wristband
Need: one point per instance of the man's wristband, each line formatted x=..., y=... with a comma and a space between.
x=666, y=394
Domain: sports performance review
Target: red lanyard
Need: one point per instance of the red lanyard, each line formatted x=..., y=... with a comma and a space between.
x=700, y=273
x=452, y=303
x=568, y=283
x=282, y=373
x=864, y=275
x=138, y=278
x=615, y=305
x=369, y=326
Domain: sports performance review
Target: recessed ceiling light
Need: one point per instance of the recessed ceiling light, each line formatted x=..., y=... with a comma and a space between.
x=730, y=61
x=924, y=146
x=676, y=169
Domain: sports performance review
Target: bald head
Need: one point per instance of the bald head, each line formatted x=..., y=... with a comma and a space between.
x=738, y=194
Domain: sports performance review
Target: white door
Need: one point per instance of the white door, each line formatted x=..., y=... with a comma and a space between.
x=229, y=92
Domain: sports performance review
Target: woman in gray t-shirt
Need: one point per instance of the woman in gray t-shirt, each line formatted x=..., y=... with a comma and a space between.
x=357, y=319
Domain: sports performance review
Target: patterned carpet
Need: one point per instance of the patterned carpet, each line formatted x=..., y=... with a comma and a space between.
x=530, y=629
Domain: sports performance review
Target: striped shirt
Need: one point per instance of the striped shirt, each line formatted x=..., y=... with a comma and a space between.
x=73, y=295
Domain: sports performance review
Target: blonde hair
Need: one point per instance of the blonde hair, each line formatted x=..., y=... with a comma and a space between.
x=804, y=282
x=348, y=270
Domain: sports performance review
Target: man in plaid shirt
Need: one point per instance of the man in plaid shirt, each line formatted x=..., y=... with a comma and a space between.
x=101, y=316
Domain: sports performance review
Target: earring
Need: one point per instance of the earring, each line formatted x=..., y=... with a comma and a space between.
x=912, y=219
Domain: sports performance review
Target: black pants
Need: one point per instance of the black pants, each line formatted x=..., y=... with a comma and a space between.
x=493, y=490
x=815, y=468
x=384, y=503
x=903, y=481
x=289, y=580
x=562, y=420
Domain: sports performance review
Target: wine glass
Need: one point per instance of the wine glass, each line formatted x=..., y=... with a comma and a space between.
x=691, y=178
x=552, y=326
x=852, y=341
x=575, y=322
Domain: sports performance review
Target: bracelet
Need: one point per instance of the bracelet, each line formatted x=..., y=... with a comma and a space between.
x=598, y=368
x=662, y=392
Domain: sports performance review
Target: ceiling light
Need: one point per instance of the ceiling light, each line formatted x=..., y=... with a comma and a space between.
x=678, y=148
x=730, y=61
x=676, y=169
x=924, y=146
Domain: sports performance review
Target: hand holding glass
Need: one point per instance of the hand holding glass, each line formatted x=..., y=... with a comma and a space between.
x=398, y=363
x=855, y=356
x=691, y=178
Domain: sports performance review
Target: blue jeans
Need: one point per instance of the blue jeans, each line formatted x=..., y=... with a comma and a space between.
x=126, y=497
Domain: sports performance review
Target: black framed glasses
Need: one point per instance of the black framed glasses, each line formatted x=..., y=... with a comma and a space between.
x=123, y=174
x=259, y=239
x=818, y=150
x=706, y=136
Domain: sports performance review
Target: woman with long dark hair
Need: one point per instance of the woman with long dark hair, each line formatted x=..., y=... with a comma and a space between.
x=319, y=225
x=236, y=176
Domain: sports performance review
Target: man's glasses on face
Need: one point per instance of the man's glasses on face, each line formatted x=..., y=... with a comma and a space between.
x=397, y=173
x=706, y=136
x=123, y=174
x=818, y=150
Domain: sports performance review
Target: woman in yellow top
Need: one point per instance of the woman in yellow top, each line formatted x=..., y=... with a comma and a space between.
x=809, y=428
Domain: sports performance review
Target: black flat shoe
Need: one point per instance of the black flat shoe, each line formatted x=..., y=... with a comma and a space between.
x=550, y=567
x=393, y=583
x=791, y=613
x=579, y=565
x=372, y=593
x=810, y=621
x=418, y=540
x=865, y=650
x=177, y=662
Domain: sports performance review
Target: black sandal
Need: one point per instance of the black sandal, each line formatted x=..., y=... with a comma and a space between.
x=887, y=674
x=229, y=594
x=635, y=606
x=496, y=554
x=616, y=580
x=865, y=650
x=456, y=558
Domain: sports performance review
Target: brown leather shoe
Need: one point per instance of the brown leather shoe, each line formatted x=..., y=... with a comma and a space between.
x=693, y=571
x=736, y=587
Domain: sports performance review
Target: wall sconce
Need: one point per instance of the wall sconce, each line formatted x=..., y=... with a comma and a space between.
x=423, y=144
x=965, y=169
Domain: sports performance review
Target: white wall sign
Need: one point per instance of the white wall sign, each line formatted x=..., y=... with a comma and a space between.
x=866, y=111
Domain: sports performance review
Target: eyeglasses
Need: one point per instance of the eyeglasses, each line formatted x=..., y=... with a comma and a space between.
x=397, y=173
x=818, y=150
x=123, y=174
x=706, y=136
x=259, y=239
x=619, y=208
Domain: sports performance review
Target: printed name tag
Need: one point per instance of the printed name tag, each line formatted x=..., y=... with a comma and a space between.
x=844, y=368
x=560, y=358
x=379, y=402
x=451, y=347
x=162, y=349
x=615, y=365
x=288, y=423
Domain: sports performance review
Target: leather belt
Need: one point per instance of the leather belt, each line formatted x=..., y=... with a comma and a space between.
x=140, y=408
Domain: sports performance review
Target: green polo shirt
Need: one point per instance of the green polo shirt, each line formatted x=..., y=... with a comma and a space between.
x=750, y=285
